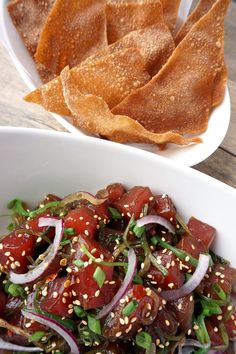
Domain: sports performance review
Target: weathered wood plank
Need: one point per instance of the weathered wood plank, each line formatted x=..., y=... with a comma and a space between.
x=221, y=165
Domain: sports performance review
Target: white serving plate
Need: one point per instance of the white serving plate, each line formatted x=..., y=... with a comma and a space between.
x=36, y=162
x=189, y=155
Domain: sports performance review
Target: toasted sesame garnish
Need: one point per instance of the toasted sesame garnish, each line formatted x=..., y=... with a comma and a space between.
x=7, y=254
x=63, y=262
x=67, y=283
x=70, y=311
x=55, y=294
x=180, y=306
x=158, y=342
x=86, y=232
x=219, y=318
x=195, y=327
x=122, y=301
x=97, y=293
x=128, y=329
x=69, y=270
x=64, y=300
x=45, y=292
x=171, y=285
x=216, y=329
x=122, y=322
x=167, y=323
x=112, y=314
x=85, y=296
x=118, y=334
x=134, y=319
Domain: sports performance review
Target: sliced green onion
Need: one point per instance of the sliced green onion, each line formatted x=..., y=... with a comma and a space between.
x=36, y=336
x=65, y=242
x=137, y=279
x=138, y=231
x=219, y=291
x=79, y=311
x=99, y=276
x=210, y=308
x=16, y=290
x=130, y=308
x=202, y=334
x=184, y=256
x=17, y=206
x=69, y=231
x=99, y=261
x=129, y=227
x=218, y=302
x=160, y=267
x=143, y=340
x=115, y=214
x=79, y=263
x=94, y=325
x=154, y=241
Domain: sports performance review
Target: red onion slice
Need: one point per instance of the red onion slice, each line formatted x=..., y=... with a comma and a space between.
x=55, y=326
x=132, y=261
x=17, y=348
x=38, y=271
x=156, y=219
x=192, y=283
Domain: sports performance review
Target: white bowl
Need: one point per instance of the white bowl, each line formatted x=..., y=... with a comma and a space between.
x=189, y=155
x=34, y=163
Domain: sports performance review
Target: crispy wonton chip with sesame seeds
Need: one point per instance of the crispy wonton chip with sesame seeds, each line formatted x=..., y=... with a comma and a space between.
x=124, y=17
x=74, y=30
x=155, y=43
x=220, y=80
x=112, y=77
x=29, y=16
x=91, y=113
x=179, y=97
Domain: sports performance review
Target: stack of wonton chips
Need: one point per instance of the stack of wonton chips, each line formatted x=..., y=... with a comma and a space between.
x=119, y=69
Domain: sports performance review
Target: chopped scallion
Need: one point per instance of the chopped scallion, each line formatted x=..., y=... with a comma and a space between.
x=130, y=308
x=79, y=263
x=115, y=213
x=65, y=242
x=36, y=336
x=138, y=231
x=184, y=256
x=69, y=231
x=94, y=325
x=99, y=276
x=16, y=290
x=219, y=291
x=79, y=311
x=143, y=340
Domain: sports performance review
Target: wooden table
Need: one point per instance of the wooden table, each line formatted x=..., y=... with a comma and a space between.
x=15, y=112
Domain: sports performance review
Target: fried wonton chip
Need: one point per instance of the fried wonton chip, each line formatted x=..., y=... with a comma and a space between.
x=200, y=10
x=29, y=16
x=170, y=11
x=155, y=43
x=73, y=31
x=124, y=17
x=179, y=97
x=220, y=81
x=92, y=114
x=112, y=77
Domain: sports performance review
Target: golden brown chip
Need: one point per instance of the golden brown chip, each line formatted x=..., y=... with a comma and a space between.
x=124, y=17
x=220, y=81
x=179, y=97
x=154, y=42
x=201, y=9
x=92, y=114
x=170, y=11
x=111, y=77
x=73, y=31
x=28, y=17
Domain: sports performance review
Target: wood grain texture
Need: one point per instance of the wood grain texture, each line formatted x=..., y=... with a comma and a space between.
x=15, y=112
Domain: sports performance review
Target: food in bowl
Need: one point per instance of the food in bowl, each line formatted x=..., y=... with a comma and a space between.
x=130, y=78
x=116, y=272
